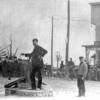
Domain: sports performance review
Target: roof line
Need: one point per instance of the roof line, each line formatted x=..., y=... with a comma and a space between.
x=94, y=3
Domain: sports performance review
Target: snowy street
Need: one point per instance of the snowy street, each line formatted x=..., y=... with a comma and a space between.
x=69, y=88
x=64, y=88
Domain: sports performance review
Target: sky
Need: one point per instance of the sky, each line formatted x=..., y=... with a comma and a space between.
x=28, y=19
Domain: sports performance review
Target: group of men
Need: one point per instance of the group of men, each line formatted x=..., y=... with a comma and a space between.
x=37, y=64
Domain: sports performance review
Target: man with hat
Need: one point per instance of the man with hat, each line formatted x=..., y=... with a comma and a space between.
x=82, y=73
x=37, y=63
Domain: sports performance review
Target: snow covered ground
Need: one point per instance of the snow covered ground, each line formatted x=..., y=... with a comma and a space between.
x=69, y=88
x=64, y=88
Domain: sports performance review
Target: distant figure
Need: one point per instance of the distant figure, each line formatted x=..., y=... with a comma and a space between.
x=1, y=71
x=71, y=66
x=89, y=66
x=62, y=65
x=7, y=68
x=82, y=73
x=37, y=64
x=70, y=63
x=9, y=72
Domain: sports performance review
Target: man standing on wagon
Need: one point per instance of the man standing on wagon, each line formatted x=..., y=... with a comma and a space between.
x=37, y=64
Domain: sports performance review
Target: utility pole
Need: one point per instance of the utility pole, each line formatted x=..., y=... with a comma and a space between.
x=11, y=45
x=68, y=32
x=52, y=42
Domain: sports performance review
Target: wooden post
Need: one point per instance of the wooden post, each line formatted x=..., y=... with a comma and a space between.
x=68, y=32
x=52, y=43
x=10, y=45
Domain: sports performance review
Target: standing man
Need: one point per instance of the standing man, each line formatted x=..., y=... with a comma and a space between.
x=37, y=64
x=71, y=66
x=62, y=65
x=82, y=73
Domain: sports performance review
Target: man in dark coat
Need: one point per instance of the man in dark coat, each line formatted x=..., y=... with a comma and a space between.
x=82, y=73
x=71, y=66
x=37, y=64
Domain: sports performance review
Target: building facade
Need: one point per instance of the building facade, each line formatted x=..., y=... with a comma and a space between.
x=95, y=20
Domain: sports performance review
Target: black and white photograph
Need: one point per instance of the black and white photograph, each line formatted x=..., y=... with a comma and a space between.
x=50, y=49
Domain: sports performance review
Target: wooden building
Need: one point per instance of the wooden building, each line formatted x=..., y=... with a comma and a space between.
x=95, y=20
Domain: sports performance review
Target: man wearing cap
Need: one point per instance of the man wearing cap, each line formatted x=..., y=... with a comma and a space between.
x=82, y=73
x=37, y=63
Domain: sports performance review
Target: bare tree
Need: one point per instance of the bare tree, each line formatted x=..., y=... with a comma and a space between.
x=58, y=58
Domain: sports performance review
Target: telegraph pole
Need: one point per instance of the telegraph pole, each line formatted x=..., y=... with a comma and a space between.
x=11, y=45
x=68, y=32
x=52, y=42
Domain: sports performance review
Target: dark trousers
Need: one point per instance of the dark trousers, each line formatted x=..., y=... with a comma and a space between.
x=36, y=70
x=81, y=85
x=9, y=75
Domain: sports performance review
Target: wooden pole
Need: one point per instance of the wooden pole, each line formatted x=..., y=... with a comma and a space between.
x=52, y=43
x=68, y=32
x=11, y=45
